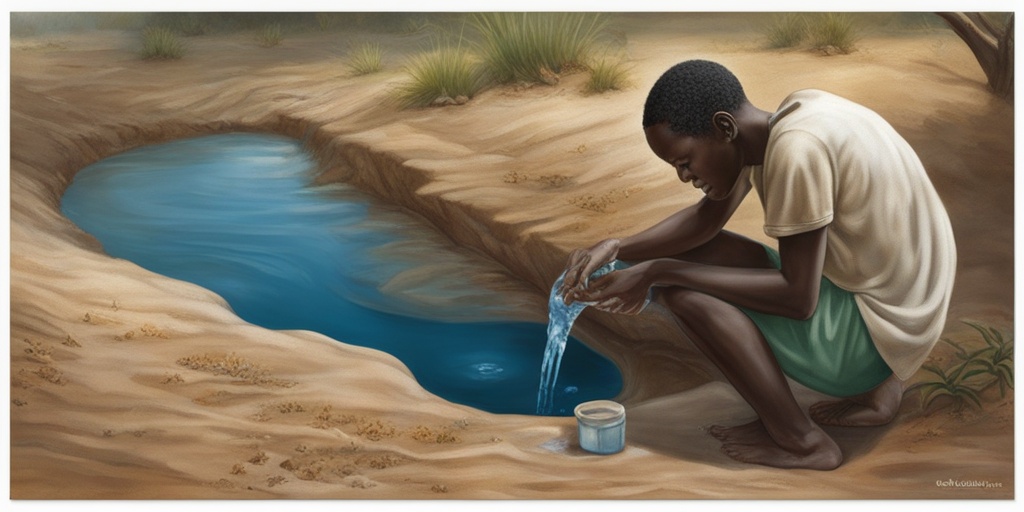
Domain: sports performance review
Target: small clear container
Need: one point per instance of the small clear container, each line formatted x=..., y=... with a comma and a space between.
x=602, y=426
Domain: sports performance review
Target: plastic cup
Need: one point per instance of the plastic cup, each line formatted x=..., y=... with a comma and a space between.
x=602, y=426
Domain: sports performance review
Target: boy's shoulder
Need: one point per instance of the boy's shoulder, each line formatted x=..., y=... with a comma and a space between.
x=824, y=116
x=815, y=102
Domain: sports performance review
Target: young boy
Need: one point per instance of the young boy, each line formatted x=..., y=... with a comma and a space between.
x=855, y=297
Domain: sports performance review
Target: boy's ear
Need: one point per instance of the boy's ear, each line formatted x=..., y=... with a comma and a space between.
x=726, y=125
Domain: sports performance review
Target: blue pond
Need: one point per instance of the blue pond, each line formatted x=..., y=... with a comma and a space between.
x=237, y=214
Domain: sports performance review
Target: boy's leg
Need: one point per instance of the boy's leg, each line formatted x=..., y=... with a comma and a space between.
x=783, y=436
x=876, y=407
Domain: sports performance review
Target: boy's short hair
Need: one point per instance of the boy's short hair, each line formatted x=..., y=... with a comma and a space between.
x=688, y=95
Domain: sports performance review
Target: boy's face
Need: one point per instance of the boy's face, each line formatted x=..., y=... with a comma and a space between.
x=711, y=163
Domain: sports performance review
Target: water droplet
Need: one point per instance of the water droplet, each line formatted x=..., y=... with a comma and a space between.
x=571, y=390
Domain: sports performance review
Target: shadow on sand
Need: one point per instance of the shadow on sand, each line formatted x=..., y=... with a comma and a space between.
x=677, y=425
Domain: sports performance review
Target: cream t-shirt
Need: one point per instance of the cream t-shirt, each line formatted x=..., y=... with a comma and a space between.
x=831, y=162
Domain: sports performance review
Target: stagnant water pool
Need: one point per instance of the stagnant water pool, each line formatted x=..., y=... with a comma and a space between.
x=237, y=214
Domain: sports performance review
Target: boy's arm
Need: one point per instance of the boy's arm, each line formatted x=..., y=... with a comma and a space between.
x=689, y=228
x=791, y=291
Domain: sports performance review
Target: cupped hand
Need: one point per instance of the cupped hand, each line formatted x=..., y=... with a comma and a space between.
x=582, y=263
x=622, y=291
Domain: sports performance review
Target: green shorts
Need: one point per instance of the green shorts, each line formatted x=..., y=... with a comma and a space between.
x=831, y=352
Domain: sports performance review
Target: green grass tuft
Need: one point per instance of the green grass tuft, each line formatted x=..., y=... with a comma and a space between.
x=975, y=372
x=607, y=74
x=366, y=59
x=161, y=43
x=445, y=72
x=995, y=359
x=530, y=47
x=786, y=30
x=325, y=20
x=834, y=30
x=270, y=35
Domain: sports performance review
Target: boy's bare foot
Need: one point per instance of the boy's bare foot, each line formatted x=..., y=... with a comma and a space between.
x=751, y=443
x=876, y=407
x=748, y=433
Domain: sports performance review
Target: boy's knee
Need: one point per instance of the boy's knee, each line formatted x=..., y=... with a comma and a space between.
x=687, y=304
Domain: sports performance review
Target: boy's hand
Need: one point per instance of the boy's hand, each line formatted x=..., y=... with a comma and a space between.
x=622, y=291
x=582, y=263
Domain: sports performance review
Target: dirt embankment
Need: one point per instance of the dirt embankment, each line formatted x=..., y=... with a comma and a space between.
x=129, y=384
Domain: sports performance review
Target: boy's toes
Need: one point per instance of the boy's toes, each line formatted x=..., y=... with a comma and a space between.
x=831, y=412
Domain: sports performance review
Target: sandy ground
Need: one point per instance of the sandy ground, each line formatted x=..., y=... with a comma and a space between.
x=127, y=384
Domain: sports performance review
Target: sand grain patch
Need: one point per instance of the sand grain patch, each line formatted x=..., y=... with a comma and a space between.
x=233, y=366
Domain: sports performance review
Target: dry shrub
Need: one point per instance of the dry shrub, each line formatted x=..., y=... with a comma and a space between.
x=290, y=407
x=447, y=72
x=259, y=459
x=786, y=30
x=531, y=47
x=324, y=418
x=152, y=331
x=834, y=31
x=37, y=350
x=607, y=74
x=233, y=366
x=338, y=464
x=161, y=43
x=270, y=35
x=381, y=460
x=601, y=203
x=374, y=430
x=51, y=375
x=428, y=435
x=173, y=379
x=366, y=59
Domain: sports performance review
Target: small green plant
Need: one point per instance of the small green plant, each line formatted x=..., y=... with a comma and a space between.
x=270, y=35
x=607, y=74
x=995, y=359
x=325, y=20
x=833, y=31
x=446, y=72
x=161, y=43
x=949, y=383
x=786, y=30
x=964, y=381
x=366, y=59
x=533, y=47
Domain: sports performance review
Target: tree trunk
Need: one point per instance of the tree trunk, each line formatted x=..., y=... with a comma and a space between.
x=992, y=46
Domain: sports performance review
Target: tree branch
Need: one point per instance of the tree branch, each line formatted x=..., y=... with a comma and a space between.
x=983, y=22
x=984, y=47
x=968, y=30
